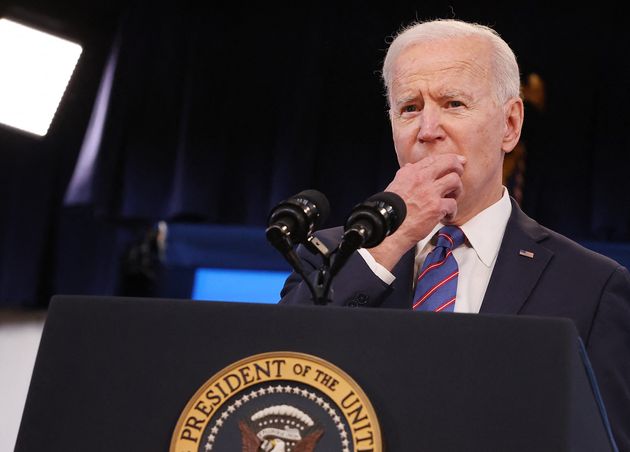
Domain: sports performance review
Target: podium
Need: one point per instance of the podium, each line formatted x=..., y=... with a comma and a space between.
x=116, y=373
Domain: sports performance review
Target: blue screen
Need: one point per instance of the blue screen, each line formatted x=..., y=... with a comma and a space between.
x=252, y=286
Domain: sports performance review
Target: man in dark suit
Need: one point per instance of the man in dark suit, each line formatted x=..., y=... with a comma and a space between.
x=455, y=111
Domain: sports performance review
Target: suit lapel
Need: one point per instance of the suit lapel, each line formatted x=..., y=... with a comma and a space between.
x=402, y=290
x=520, y=264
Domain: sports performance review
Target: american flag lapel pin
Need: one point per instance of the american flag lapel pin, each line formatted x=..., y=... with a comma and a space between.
x=526, y=253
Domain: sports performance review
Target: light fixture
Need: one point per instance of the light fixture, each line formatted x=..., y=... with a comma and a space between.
x=35, y=68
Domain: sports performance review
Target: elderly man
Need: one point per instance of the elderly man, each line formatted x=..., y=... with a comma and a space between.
x=455, y=111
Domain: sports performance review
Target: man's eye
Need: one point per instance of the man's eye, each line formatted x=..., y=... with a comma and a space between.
x=455, y=104
x=409, y=109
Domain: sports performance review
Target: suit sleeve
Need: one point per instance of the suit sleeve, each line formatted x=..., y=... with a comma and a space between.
x=608, y=347
x=355, y=285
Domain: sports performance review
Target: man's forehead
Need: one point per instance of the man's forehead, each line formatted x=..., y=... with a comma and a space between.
x=441, y=74
x=444, y=58
x=454, y=79
x=439, y=70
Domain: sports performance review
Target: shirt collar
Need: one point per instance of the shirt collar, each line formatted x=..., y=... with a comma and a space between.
x=484, y=232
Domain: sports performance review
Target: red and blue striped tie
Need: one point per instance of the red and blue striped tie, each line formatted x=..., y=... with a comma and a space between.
x=437, y=281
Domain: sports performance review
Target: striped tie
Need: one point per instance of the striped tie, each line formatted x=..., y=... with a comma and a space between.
x=437, y=282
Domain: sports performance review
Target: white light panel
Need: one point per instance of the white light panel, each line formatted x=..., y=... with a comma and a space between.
x=35, y=68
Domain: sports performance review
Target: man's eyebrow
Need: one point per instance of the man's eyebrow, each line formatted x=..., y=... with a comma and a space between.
x=454, y=94
x=442, y=95
x=405, y=99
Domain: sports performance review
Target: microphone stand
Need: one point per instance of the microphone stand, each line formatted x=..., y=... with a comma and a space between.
x=321, y=280
x=320, y=283
x=369, y=223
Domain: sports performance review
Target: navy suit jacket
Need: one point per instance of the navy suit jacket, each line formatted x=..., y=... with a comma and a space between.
x=563, y=279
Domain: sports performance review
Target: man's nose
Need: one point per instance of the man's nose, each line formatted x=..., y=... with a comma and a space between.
x=430, y=125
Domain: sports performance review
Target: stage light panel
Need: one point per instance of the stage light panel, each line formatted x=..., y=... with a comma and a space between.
x=35, y=68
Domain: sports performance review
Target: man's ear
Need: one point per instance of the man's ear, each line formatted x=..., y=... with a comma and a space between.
x=514, y=114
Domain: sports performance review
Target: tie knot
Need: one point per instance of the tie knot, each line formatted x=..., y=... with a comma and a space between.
x=450, y=237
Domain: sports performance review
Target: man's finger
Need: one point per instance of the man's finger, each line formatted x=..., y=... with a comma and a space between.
x=440, y=164
x=449, y=185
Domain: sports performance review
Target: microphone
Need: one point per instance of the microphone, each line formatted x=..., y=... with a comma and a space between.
x=297, y=217
x=294, y=220
x=368, y=225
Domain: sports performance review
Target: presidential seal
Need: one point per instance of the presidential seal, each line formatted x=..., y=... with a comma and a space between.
x=278, y=402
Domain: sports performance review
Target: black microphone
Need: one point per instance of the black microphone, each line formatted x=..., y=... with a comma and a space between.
x=368, y=225
x=297, y=217
x=294, y=220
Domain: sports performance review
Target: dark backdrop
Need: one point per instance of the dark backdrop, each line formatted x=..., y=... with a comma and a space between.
x=218, y=113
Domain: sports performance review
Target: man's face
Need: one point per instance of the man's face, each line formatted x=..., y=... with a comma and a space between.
x=443, y=101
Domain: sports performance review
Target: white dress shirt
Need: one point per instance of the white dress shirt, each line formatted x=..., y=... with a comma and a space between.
x=475, y=258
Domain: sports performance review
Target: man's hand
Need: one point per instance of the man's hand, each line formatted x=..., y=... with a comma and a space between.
x=430, y=188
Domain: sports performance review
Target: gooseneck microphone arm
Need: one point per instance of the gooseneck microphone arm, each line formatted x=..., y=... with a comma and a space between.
x=276, y=236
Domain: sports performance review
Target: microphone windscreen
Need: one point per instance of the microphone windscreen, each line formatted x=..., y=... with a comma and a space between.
x=397, y=205
x=319, y=199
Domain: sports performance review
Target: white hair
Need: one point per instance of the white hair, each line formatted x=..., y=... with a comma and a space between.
x=506, y=72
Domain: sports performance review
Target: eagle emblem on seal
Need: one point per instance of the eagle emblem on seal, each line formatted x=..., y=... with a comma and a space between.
x=279, y=428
